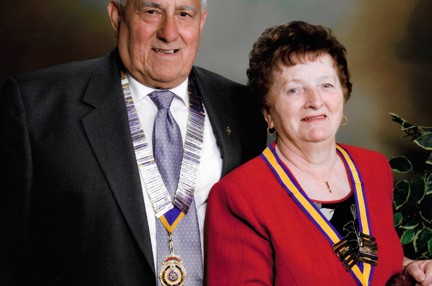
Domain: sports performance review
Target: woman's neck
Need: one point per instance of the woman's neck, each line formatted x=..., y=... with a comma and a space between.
x=317, y=167
x=314, y=155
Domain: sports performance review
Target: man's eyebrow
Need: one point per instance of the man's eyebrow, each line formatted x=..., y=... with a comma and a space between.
x=142, y=4
x=186, y=7
x=148, y=4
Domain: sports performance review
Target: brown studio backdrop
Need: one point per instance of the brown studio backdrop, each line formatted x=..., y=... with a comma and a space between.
x=389, y=47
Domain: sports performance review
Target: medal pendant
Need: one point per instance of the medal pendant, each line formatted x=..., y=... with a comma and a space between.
x=172, y=272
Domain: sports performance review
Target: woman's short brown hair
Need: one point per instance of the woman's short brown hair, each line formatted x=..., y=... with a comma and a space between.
x=288, y=44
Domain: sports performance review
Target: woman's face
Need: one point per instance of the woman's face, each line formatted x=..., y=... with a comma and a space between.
x=305, y=102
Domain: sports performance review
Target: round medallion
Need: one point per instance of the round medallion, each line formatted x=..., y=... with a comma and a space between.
x=172, y=272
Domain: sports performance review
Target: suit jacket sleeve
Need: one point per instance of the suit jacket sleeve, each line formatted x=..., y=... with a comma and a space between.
x=72, y=209
x=16, y=180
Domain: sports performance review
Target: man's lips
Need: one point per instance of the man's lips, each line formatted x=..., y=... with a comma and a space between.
x=162, y=51
x=318, y=117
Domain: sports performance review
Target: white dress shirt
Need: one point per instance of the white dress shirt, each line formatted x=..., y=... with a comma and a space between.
x=210, y=168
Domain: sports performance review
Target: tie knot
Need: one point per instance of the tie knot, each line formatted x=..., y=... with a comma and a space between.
x=162, y=98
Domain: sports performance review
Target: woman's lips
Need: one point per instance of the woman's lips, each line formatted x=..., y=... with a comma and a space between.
x=318, y=117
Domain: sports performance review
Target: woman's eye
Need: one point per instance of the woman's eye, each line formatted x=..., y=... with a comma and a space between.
x=327, y=85
x=292, y=91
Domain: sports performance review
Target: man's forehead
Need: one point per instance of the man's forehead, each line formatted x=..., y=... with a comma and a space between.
x=187, y=4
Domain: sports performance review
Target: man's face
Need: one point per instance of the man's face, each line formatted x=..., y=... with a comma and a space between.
x=158, y=40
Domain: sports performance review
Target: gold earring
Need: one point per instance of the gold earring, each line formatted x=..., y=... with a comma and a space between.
x=271, y=131
x=344, y=121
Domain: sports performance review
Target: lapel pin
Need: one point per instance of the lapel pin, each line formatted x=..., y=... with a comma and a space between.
x=228, y=131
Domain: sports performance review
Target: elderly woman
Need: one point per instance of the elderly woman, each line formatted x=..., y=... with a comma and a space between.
x=308, y=211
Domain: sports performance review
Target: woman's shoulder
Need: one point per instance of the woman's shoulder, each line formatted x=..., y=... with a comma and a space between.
x=251, y=170
x=250, y=176
x=246, y=187
x=365, y=156
x=356, y=151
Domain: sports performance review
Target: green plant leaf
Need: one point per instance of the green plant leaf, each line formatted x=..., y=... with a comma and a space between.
x=429, y=245
x=425, y=210
x=412, y=198
x=429, y=159
x=410, y=223
x=417, y=188
x=401, y=193
x=400, y=164
x=428, y=185
x=421, y=239
x=405, y=126
x=424, y=140
x=422, y=256
x=407, y=236
x=397, y=118
x=397, y=218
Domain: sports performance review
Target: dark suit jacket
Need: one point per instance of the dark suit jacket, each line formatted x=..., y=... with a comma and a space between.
x=72, y=211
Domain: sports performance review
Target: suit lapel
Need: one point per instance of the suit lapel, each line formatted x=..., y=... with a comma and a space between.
x=108, y=132
x=221, y=111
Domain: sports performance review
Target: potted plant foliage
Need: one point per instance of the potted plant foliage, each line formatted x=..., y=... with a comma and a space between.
x=412, y=196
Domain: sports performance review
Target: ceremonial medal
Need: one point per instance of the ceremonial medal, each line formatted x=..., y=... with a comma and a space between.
x=172, y=272
x=368, y=249
x=169, y=211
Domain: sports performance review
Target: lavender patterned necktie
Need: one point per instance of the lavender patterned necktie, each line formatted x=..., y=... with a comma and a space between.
x=167, y=140
x=168, y=153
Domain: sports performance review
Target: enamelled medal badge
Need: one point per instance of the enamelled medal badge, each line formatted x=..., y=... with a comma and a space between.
x=172, y=272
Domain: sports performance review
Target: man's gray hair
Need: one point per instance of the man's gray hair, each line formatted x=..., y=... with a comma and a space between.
x=122, y=3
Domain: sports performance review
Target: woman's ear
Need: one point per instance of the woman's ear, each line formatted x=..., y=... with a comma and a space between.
x=267, y=117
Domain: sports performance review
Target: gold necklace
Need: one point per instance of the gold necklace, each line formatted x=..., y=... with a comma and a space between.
x=313, y=177
x=328, y=187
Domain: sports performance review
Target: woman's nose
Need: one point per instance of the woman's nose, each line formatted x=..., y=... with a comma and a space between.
x=314, y=99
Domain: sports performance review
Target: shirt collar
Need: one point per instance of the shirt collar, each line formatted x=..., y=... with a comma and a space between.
x=139, y=90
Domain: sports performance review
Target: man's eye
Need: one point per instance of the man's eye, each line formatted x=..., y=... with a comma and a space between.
x=185, y=14
x=327, y=85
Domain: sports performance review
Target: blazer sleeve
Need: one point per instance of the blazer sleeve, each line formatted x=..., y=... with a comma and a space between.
x=237, y=247
x=16, y=180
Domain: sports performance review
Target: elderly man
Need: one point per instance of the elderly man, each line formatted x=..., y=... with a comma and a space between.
x=108, y=162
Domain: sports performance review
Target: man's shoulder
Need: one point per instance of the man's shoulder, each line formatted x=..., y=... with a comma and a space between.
x=211, y=77
x=65, y=72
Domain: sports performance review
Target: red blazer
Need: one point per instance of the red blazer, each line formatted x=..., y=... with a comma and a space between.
x=257, y=235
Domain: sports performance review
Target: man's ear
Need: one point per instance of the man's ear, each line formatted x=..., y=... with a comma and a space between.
x=203, y=19
x=114, y=13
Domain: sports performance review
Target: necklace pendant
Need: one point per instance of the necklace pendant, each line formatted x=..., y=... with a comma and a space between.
x=346, y=254
x=328, y=187
x=368, y=249
x=172, y=272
